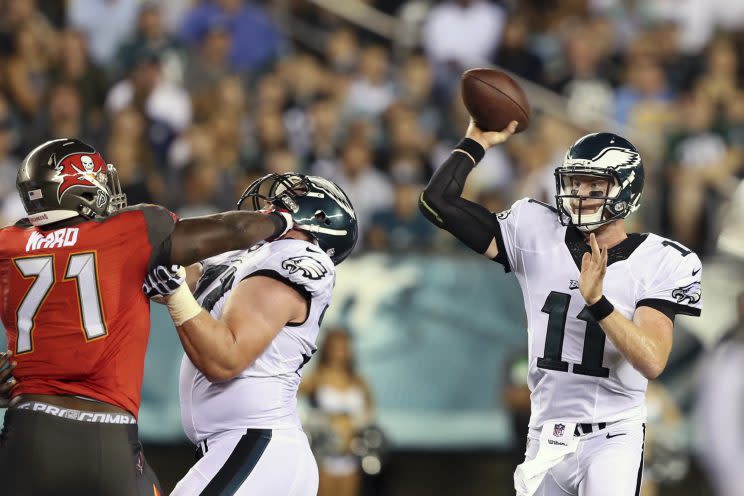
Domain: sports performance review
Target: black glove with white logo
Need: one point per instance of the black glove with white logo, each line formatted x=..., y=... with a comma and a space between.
x=164, y=281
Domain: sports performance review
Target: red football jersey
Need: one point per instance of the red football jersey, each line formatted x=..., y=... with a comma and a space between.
x=72, y=303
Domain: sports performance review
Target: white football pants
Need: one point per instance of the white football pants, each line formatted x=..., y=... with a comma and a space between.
x=606, y=463
x=274, y=462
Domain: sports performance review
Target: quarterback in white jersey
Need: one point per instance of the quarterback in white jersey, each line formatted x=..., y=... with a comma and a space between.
x=600, y=306
x=249, y=327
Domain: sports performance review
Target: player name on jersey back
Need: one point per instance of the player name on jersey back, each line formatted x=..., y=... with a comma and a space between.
x=73, y=308
x=61, y=238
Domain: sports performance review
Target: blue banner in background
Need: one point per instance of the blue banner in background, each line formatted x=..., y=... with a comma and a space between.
x=430, y=334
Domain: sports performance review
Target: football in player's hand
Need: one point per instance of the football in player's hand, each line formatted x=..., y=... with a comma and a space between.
x=494, y=100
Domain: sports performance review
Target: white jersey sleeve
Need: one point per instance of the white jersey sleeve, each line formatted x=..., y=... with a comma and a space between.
x=525, y=227
x=673, y=283
x=307, y=270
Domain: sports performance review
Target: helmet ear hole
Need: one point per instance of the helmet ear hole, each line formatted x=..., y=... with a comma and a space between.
x=88, y=196
x=321, y=216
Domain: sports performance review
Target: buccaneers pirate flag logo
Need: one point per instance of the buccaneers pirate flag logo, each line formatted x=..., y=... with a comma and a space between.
x=80, y=170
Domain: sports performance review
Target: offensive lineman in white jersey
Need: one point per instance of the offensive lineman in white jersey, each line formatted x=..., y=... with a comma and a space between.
x=252, y=327
x=600, y=306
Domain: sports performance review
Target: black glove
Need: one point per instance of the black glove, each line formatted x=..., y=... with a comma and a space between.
x=164, y=281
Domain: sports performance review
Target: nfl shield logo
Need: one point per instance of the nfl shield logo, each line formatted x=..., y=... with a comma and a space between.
x=558, y=430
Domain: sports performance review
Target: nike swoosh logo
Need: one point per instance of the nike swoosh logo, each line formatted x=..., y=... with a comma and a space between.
x=610, y=436
x=313, y=251
x=695, y=271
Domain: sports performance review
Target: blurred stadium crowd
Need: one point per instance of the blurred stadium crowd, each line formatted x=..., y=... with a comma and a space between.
x=191, y=100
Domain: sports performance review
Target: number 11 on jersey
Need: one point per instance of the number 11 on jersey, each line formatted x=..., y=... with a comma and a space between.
x=556, y=306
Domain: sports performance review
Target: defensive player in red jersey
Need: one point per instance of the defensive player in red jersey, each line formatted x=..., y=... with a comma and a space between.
x=78, y=322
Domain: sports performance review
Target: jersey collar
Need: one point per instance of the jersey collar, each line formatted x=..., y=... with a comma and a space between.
x=577, y=246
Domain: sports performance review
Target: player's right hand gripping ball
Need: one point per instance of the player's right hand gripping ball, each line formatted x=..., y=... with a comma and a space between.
x=164, y=281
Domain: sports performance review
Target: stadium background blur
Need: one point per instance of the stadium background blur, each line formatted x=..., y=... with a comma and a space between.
x=191, y=100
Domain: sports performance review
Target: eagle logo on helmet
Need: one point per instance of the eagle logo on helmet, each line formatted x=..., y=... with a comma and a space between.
x=79, y=170
x=616, y=158
x=310, y=267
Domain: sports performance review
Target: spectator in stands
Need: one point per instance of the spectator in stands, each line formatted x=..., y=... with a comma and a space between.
x=415, y=89
x=720, y=81
x=664, y=451
x=733, y=122
x=324, y=126
x=270, y=94
x=230, y=98
x=514, y=53
x=61, y=115
x=151, y=35
x=132, y=176
x=405, y=137
x=269, y=133
x=342, y=51
x=8, y=168
x=106, y=24
x=720, y=402
x=209, y=61
x=590, y=96
x=255, y=39
x=130, y=151
x=25, y=71
x=195, y=144
x=74, y=66
x=372, y=91
x=340, y=394
x=304, y=77
x=26, y=13
x=200, y=190
x=281, y=160
x=230, y=149
x=646, y=83
x=400, y=228
x=369, y=189
x=699, y=162
x=166, y=105
x=459, y=35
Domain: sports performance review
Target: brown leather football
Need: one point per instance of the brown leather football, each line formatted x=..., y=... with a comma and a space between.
x=494, y=99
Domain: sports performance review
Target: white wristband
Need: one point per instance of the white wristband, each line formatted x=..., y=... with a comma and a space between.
x=182, y=305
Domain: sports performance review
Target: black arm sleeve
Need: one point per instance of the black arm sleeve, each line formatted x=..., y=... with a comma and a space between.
x=442, y=205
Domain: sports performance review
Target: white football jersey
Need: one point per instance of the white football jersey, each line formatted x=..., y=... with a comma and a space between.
x=264, y=394
x=575, y=373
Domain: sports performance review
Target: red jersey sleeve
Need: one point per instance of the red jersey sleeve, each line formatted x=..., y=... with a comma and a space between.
x=160, y=223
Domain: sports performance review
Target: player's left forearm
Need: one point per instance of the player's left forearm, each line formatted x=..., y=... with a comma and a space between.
x=642, y=349
x=195, y=239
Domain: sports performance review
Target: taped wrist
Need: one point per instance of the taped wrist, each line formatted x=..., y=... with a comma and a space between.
x=182, y=306
x=601, y=309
